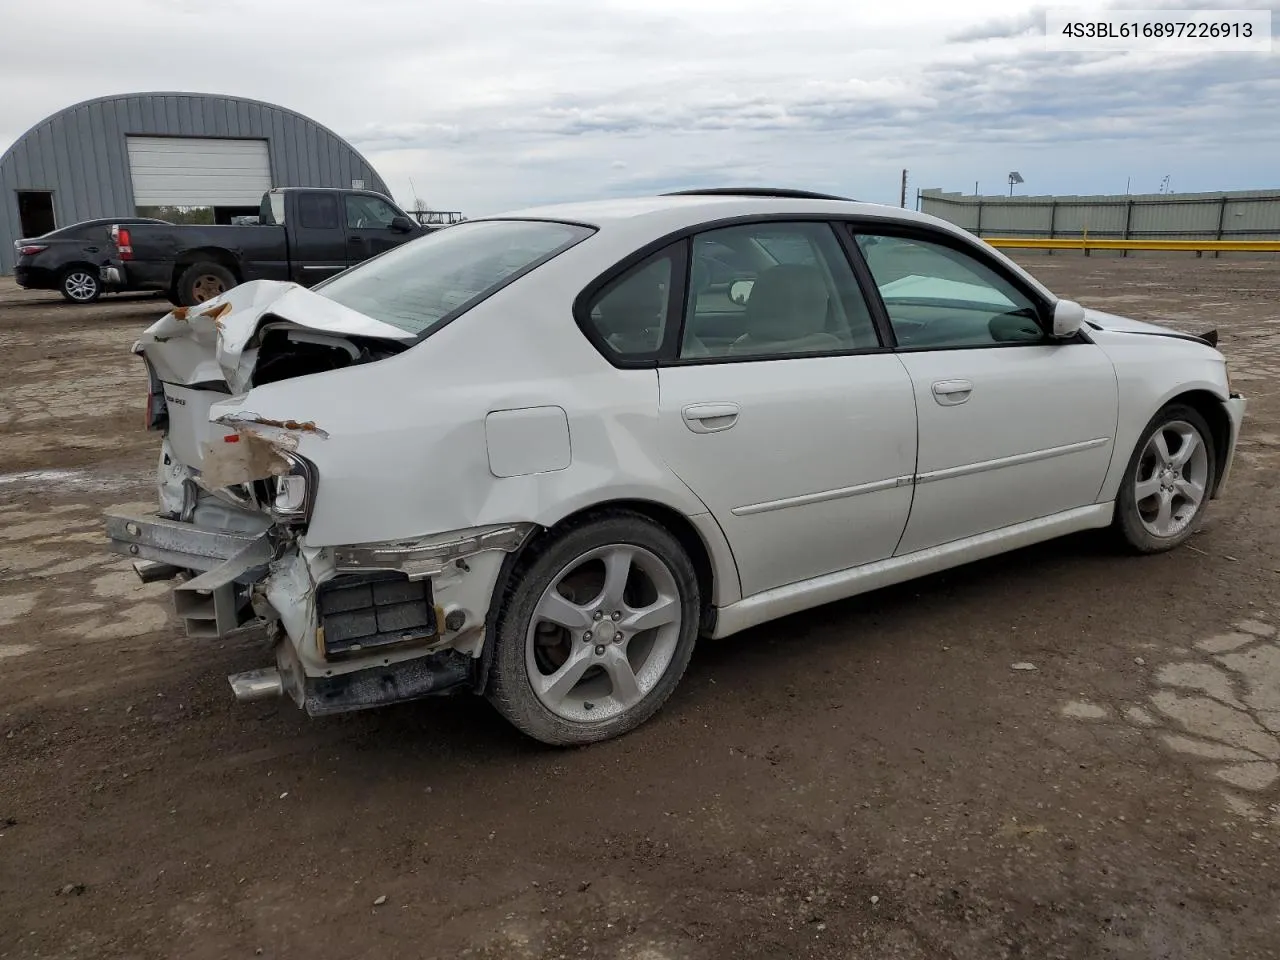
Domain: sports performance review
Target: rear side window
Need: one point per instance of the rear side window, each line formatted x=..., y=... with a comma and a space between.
x=418, y=284
x=317, y=211
x=629, y=315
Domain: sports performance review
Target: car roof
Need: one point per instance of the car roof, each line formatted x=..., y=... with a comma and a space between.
x=669, y=212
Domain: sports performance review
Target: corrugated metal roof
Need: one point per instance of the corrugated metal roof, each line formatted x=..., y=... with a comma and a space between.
x=79, y=153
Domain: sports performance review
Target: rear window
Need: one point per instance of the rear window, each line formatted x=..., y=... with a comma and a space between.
x=416, y=285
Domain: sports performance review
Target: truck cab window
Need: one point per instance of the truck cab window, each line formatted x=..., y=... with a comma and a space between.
x=365, y=211
x=317, y=211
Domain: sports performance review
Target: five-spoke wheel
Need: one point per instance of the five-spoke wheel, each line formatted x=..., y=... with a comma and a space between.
x=596, y=631
x=1167, y=486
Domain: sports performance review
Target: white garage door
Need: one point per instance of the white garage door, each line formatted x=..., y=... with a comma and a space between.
x=198, y=172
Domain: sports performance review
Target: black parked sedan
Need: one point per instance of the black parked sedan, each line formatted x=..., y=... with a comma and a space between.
x=67, y=259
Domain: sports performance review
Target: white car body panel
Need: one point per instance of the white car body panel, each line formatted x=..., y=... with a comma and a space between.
x=820, y=446
x=1030, y=439
x=834, y=475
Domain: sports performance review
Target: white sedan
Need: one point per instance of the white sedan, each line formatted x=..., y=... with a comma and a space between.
x=536, y=456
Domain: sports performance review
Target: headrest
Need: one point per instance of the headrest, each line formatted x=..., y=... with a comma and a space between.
x=787, y=301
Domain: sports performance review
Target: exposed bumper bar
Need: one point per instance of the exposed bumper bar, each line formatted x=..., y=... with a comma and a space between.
x=173, y=542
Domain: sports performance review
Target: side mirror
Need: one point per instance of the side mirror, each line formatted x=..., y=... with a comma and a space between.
x=1068, y=317
x=401, y=224
x=740, y=291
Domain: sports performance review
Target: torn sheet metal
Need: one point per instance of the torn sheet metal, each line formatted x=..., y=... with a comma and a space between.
x=226, y=327
x=242, y=457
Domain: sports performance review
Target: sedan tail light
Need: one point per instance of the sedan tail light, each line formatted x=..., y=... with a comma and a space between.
x=30, y=249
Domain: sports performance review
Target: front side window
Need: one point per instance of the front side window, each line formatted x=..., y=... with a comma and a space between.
x=790, y=291
x=415, y=285
x=370, y=212
x=630, y=313
x=938, y=297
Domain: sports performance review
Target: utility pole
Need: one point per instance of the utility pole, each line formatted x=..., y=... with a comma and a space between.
x=975, y=188
x=902, y=199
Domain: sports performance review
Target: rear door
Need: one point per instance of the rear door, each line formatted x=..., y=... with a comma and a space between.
x=1013, y=426
x=798, y=432
x=317, y=241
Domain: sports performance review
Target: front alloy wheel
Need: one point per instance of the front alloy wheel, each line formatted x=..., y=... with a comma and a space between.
x=1166, y=488
x=597, y=631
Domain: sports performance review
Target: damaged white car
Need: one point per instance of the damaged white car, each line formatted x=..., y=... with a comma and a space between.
x=536, y=456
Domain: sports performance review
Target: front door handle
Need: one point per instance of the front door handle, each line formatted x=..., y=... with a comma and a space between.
x=710, y=417
x=950, y=392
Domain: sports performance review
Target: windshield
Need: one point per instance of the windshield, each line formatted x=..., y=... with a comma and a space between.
x=415, y=285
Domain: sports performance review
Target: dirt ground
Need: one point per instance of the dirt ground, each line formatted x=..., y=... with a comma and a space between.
x=873, y=779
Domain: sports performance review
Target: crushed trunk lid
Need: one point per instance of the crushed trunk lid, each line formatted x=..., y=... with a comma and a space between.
x=220, y=341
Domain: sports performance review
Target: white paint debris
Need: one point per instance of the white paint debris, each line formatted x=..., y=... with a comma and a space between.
x=1216, y=721
x=1250, y=776
x=1082, y=710
x=1203, y=677
x=1140, y=717
x=1256, y=627
x=1023, y=665
x=16, y=605
x=1223, y=642
x=1206, y=749
x=380, y=901
x=1260, y=668
x=1240, y=806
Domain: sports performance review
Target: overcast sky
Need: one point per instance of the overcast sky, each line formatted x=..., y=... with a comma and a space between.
x=497, y=103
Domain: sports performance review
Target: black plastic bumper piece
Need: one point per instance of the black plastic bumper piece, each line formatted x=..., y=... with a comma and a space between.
x=374, y=611
x=436, y=673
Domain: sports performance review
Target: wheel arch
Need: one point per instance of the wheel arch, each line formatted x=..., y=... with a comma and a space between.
x=701, y=538
x=1209, y=405
x=219, y=255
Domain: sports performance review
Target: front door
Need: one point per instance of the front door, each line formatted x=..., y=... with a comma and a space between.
x=369, y=230
x=1012, y=426
x=798, y=428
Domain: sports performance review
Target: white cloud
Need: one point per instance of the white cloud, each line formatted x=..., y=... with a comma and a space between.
x=499, y=104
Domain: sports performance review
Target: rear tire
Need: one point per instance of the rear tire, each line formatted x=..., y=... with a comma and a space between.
x=80, y=284
x=203, y=281
x=609, y=606
x=1165, y=489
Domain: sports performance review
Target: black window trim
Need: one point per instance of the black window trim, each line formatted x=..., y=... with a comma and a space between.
x=668, y=355
x=886, y=227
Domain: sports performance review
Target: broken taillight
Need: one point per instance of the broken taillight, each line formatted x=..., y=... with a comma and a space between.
x=157, y=412
x=124, y=243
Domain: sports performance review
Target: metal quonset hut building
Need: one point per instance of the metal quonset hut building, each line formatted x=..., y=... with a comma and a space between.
x=110, y=156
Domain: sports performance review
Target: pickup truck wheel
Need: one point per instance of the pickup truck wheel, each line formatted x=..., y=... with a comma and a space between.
x=204, y=281
x=596, y=628
x=80, y=285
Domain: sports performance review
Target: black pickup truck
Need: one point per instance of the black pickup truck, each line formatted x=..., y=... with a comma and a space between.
x=303, y=234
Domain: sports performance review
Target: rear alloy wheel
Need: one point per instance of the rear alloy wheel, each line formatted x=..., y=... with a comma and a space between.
x=596, y=631
x=1166, y=488
x=80, y=285
x=204, y=281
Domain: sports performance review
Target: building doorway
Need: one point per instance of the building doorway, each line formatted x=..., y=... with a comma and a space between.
x=35, y=212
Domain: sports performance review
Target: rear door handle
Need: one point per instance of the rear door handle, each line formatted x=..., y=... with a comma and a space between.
x=710, y=417
x=950, y=392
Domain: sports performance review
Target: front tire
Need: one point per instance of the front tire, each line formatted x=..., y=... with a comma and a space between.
x=1166, y=485
x=80, y=285
x=596, y=630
